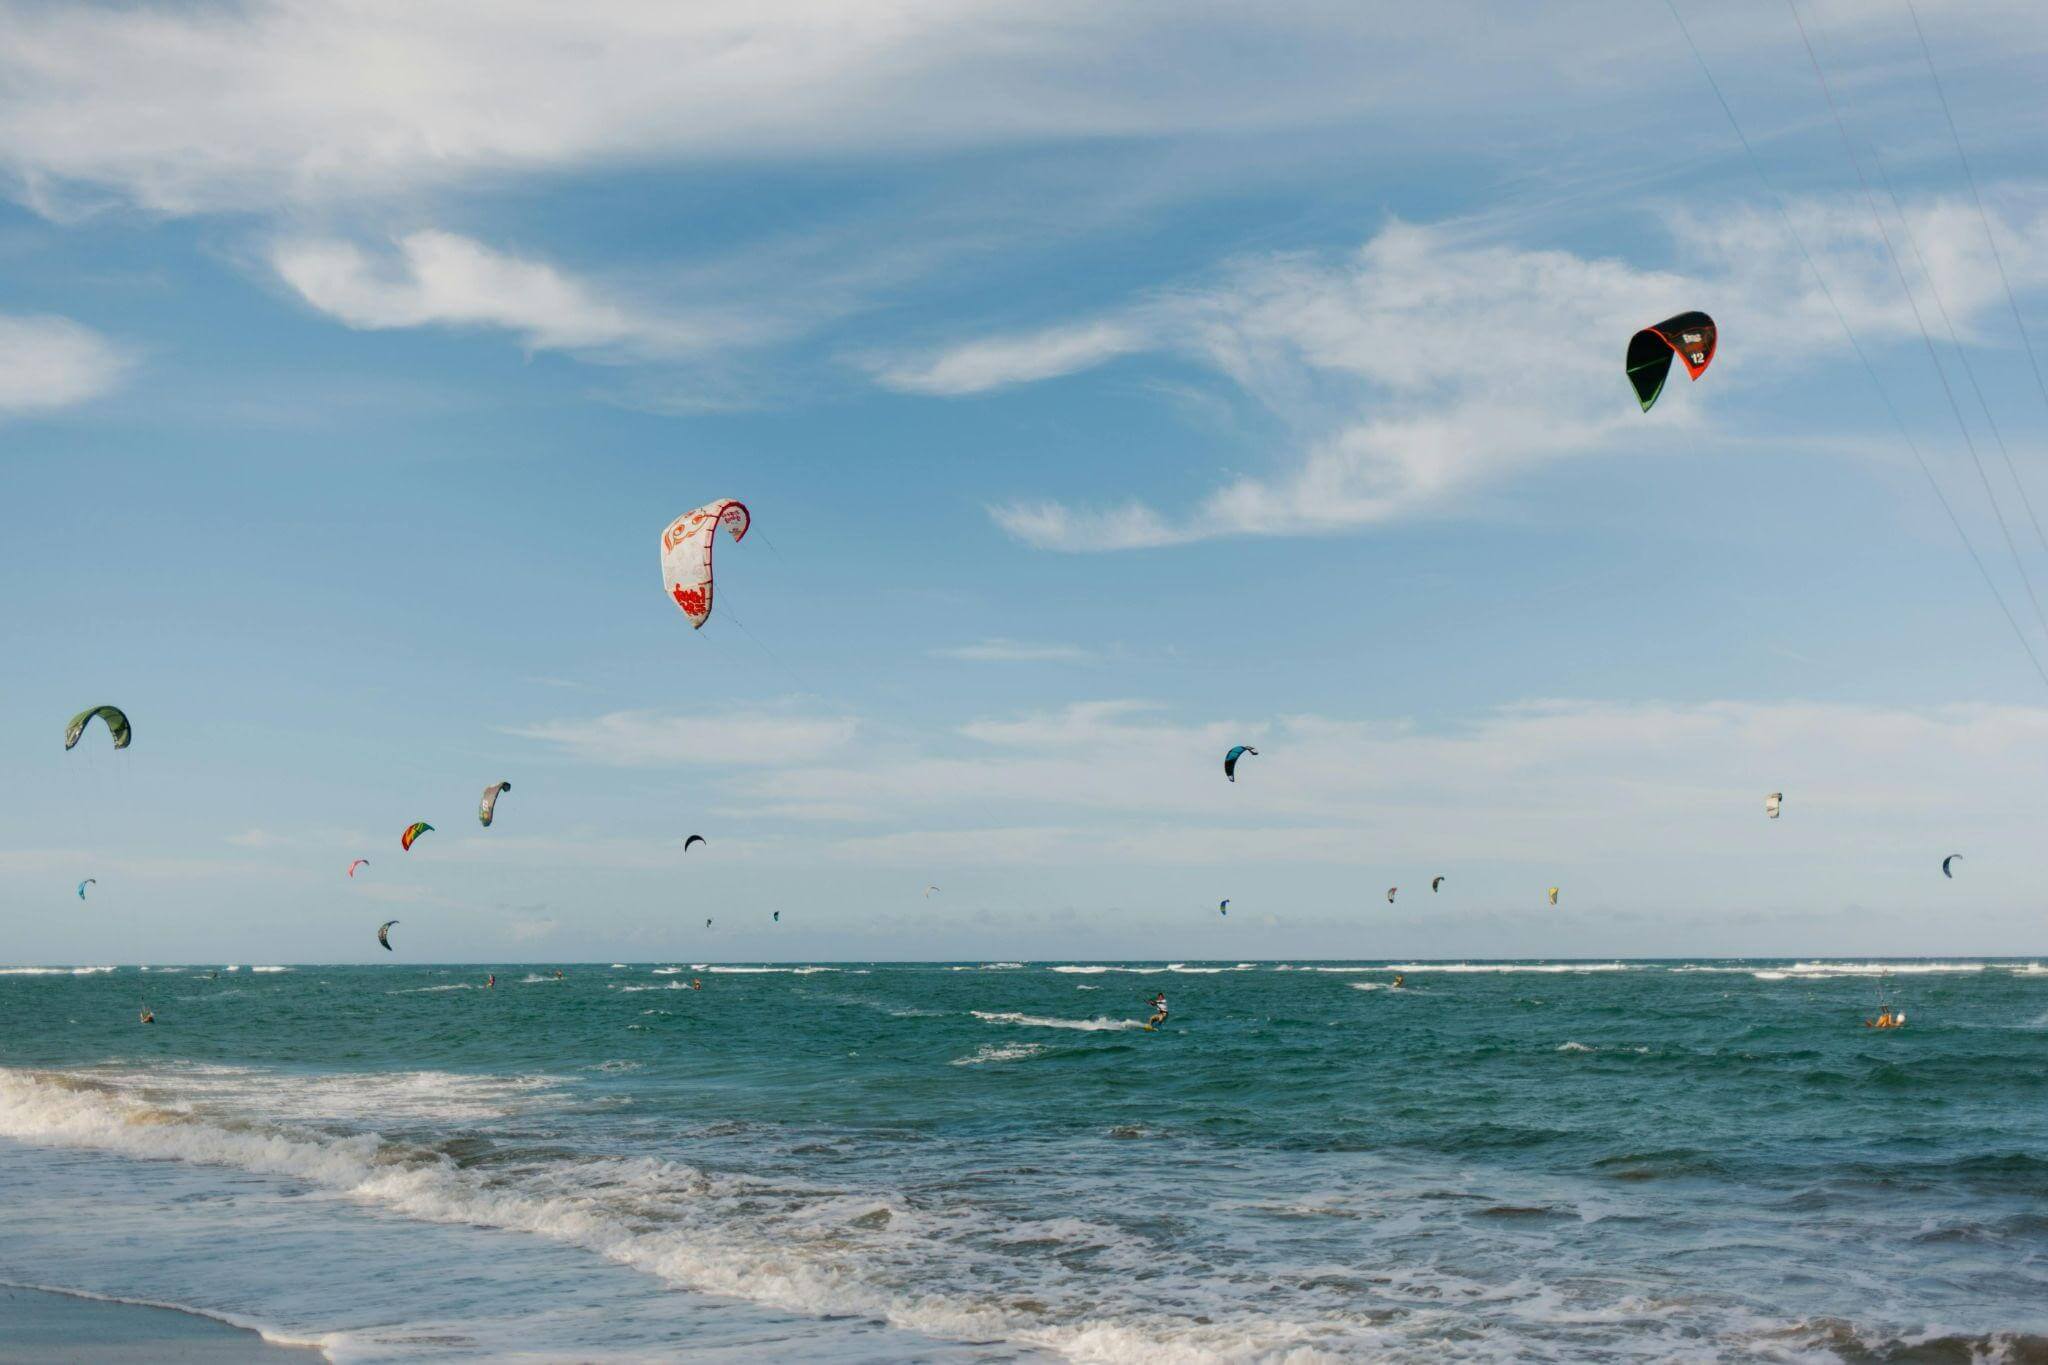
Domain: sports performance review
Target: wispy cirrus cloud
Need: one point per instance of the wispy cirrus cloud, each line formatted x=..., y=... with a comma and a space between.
x=642, y=739
x=1000, y=650
x=440, y=279
x=213, y=106
x=1639, y=786
x=977, y=366
x=1425, y=366
x=47, y=363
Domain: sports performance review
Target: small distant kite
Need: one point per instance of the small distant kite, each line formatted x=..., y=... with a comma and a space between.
x=1390, y=894
x=1224, y=908
x=488, y=807
x=94, y=881
x=1951, y=858
x=1435, y=883
x=360, y=862
x=707, y=924
x=384, y=935
x=1553, y=895
x=1237, y=751
x=1689, y=336
x=113, y=717
x=928, y=892
x=1773, y=804
x=412, y=832
x=693, y=839
x=777, y=917
x=686, y=554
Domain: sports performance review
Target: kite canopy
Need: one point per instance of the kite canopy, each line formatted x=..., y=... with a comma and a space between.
x=1223, y=908
x=1553, y=895
x=1237, y=751
x=116, y=721
x=1435, y=882
x=412, y=832
x=89, y=881
x=384, y=935
x=693, y=839
x=928, y=892
x=686, y=554
x=489, y=806
x=1951, y=858
x=360, y=862
x=1390, y=894
x=1689, y=336
x=1773, y=803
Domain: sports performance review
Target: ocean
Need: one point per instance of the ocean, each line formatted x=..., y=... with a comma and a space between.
x=1612, y=1161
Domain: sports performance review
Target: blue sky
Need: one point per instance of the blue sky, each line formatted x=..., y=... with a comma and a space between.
x=1109, y=385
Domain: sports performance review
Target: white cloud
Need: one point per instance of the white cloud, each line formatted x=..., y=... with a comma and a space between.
x=643, y=739
x=440, y=279
x=999, y=650
x=216, y=105
x=1425, y=366
x=51, y=362
x=531, y=928
x=1646, y=786
x=981, y=365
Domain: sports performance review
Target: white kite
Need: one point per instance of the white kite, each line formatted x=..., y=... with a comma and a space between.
x=686, y=554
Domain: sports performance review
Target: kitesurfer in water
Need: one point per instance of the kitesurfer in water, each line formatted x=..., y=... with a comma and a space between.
x=148, y=1015
x=1887, y=1018
x=1400, y=980
x=1158, y=1004
x=558, y=973
x=696, y=984
x=492, y=983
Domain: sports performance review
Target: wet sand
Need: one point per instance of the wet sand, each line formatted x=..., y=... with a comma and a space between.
x=65, y=1329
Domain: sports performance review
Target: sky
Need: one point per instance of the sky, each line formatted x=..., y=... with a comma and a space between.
x=1110, y=384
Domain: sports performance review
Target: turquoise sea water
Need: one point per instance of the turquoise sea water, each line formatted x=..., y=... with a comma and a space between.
x=1561, y=1161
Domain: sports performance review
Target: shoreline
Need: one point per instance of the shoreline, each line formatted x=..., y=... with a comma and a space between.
x=77, y=1327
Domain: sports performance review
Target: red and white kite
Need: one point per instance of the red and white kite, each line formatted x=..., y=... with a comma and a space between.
x=686, y=554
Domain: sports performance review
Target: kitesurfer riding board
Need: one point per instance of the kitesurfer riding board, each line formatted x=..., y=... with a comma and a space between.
x=1158, y=1004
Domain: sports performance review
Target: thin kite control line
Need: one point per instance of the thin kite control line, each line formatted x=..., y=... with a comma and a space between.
x=1884, y=396
x=1919, y=320
x=773, y=657
x=1956, y=342
x=1971, y=176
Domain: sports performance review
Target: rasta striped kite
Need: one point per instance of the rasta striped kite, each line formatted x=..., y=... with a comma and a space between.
x=412, y=832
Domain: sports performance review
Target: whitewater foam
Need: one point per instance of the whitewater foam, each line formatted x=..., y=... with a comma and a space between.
x=791, y=1246
x=54, y=971
x=1000, y=1052
x=1098, y=1025
x=1504, y=967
